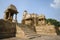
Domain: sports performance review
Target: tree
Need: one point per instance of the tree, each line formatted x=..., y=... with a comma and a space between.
x=53, y=22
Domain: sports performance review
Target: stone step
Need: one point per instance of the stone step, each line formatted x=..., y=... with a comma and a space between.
x=33, y=36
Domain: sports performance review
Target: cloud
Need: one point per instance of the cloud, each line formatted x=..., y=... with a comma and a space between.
x=55, y=4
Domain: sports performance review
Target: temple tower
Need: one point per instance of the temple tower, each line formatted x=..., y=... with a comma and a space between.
x=9, y=13
x=41, y=20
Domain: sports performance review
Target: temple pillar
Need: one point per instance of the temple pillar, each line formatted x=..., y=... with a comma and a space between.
x=16, y=18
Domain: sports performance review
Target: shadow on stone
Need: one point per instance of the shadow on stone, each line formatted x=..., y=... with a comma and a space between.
x=57, y=30
x=7, y=29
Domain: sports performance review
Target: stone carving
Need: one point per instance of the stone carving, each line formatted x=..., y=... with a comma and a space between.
x=9, y=12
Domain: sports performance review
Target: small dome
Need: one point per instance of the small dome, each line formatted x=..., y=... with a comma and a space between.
x=11, y=7
x=25, y=10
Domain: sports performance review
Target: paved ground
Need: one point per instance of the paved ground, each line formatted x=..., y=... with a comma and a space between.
x=36, y=38
x=47, y=38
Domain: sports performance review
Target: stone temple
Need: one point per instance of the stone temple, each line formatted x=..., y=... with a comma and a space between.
x=31, y=25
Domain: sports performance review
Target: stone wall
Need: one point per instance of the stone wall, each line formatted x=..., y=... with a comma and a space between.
x=19, y=32
x=7, y=29
x=46, y=30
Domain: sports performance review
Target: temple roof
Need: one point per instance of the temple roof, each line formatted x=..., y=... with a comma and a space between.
x=41, y=16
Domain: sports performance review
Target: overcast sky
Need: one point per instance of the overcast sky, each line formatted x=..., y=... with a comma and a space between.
x=50, y=8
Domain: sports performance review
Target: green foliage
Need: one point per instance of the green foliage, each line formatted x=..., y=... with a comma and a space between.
x=53, y=22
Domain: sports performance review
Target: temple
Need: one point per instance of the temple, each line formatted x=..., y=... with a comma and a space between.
x=38, y=23
x=32, y=25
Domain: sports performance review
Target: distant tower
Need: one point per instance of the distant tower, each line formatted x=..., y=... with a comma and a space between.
x=9, y=12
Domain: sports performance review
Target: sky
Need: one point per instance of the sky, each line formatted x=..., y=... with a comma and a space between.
x=50, y=8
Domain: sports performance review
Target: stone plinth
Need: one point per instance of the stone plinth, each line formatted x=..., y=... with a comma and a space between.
x=7, y=29
x=46, y=30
